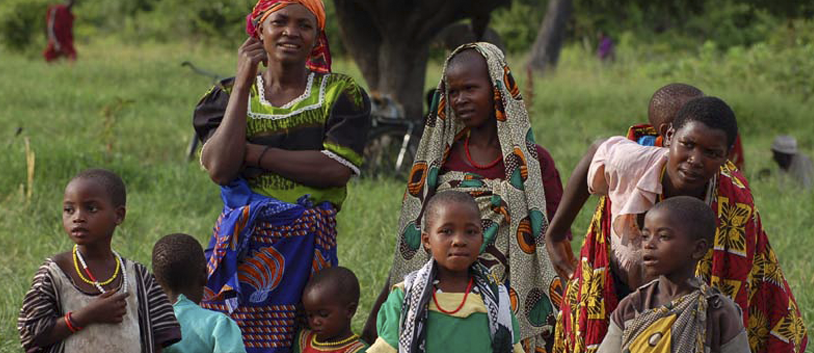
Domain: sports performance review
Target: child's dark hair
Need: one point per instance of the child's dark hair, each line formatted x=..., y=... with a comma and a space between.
x=445, y=198
x=341, y=281
x=112, y=182
x=178, y=262
x=712, y=112
x=695, y=216
x=668, y=100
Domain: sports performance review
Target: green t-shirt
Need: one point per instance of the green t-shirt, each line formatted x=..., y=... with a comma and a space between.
x=466, y=331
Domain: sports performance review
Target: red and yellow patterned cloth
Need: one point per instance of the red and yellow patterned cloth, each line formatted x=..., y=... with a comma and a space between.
x=741, y=265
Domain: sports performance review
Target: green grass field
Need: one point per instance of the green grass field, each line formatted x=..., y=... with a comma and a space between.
x=128, y=108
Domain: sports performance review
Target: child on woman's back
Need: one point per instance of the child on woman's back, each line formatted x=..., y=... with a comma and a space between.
x=451, y=304
x=91, y=299
x=330, y=299
x=676, y=312
x=180, y=267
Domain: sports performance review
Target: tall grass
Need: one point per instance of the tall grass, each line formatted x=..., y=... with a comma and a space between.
x=128, y=108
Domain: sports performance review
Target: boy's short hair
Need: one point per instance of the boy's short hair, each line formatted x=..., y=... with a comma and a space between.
x=712, y=112
x=692, y=215
x=668, y=100
x=444, y=198
x=178, y=261
x=341, y=281
x=112, y=183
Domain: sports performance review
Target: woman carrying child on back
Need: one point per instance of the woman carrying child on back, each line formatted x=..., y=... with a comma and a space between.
x=283, y=144
x=91, y=299
x=479, y=140
x=453, y=303
x=634, y=178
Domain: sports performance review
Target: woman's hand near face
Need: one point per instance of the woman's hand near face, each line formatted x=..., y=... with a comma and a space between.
x=223, y=153
x=249, y=55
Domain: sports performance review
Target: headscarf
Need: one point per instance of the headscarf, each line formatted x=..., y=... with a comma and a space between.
x=512, y=209
x=320, y=58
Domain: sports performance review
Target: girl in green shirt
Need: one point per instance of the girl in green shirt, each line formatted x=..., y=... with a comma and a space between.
x=452, y=304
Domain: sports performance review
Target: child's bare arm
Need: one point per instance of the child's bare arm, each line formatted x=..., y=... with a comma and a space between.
x=58, y=332
x=369, y=333
x=109, y=307
x=612, y=343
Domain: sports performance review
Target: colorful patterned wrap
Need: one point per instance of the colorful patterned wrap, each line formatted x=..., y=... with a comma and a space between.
x=682, y=322
x=512, y=210
x=742, y=265
x=320, y=58
x=261, y=255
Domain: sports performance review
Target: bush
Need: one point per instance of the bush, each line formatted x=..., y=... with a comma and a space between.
x=219, y=22
x=22, y=23
x=518, y=25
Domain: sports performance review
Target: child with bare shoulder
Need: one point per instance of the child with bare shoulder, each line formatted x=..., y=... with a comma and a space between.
x=90, y=298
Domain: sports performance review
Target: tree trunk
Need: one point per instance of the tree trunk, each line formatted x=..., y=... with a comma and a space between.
x=389, y=40
x=546, y=50
x=361, y=42
x=402, y=71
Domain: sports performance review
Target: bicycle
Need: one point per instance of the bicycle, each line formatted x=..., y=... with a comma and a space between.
x=391, y=146
x=216, y=80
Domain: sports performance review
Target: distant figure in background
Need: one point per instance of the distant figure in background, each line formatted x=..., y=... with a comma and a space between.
x=792, y=163
x=60, y=32
x=605, y=50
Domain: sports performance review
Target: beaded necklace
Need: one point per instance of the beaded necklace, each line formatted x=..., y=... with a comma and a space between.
x=90, y=281
x=78, y=256
x=466, y=294
x=472, y=162
x=316, y=343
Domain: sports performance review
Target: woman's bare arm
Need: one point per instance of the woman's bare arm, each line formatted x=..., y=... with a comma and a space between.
x=307, y=167
x=223, y=153
x=574, y=198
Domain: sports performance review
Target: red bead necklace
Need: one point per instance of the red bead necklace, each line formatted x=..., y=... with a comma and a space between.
x=466, y=294
x=476, y=165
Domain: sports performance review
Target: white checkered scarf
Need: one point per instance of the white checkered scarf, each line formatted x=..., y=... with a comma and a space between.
x=418, y=287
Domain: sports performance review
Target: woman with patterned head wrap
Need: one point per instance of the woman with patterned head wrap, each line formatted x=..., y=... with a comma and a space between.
x=282, y=143
x=478, y=140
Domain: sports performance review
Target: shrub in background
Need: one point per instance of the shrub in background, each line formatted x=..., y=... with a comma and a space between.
x=22, y=24
x=518, y=24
